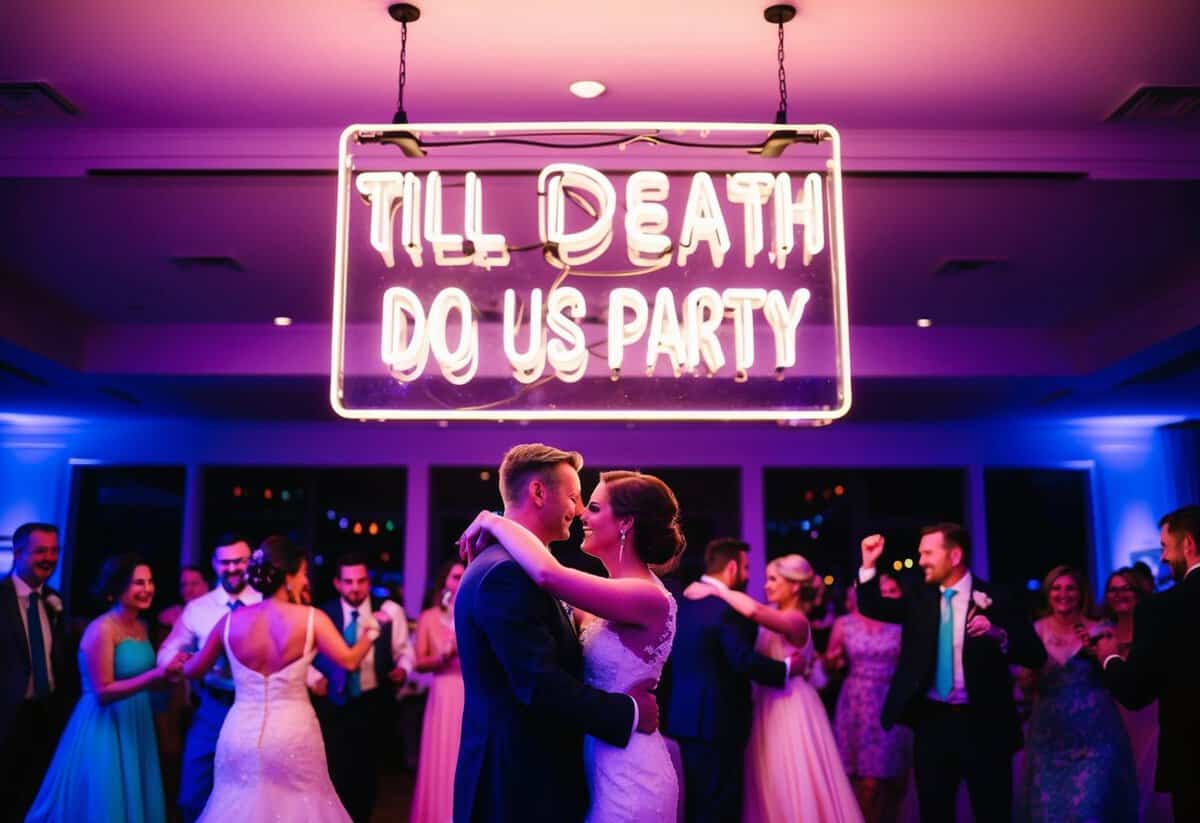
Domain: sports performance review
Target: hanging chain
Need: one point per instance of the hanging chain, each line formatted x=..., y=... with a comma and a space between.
x=781, y=115
x=403, y=65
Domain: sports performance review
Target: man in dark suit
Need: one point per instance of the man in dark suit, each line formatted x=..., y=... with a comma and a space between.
x=357, y=712
x=711, y=666
x=952, y=683
x=1163, y=664
x=527, y=709
x=35, y=678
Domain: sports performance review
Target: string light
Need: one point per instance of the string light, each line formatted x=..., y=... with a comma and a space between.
x=897, y=565
x=839, y=490
x=331, y=515
x=237, y=491
x=343, y=523
x=908, y=563
x=268, y=494
x=390, y=526
x=373, y=529
x=358, y=528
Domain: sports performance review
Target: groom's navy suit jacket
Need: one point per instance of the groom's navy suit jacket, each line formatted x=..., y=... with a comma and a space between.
x=711, y=666
x=992, y=712
x=521, y=753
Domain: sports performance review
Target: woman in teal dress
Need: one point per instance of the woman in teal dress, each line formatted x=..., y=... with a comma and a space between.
x=106, y=765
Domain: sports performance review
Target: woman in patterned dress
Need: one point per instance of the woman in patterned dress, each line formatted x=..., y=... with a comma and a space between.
x=877, y=761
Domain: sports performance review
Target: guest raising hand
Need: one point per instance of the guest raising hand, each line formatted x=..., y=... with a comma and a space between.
x=952, y=684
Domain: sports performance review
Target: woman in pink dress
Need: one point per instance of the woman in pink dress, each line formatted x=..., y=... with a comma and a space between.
x=877, y=761
x=794, y=773
x=1122, y=593
x=437, y=652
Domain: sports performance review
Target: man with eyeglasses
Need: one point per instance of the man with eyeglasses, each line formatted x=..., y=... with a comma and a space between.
x=230, y=559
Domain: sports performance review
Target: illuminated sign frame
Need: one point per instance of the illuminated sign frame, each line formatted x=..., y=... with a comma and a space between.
x=378, y=133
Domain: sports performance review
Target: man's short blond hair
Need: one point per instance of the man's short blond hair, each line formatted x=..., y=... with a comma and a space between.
x=522, y=462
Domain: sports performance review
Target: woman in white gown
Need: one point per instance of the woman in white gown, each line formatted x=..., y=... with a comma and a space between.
x=794, y=772
x=270, y=760
x=632, y=525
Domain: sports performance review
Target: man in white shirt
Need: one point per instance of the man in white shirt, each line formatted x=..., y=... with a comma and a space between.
x=952, y=682
x=230, y=559
x=357, y=714
x=33, y=694
x=1163, y=664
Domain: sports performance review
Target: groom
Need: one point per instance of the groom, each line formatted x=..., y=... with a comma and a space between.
x=521, y=754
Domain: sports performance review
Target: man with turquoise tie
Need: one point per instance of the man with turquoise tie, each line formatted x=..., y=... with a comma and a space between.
x=952, y=684
x=358, y=710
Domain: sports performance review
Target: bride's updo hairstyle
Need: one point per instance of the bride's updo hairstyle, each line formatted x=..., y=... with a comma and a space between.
x=272, y=562
x=795, y=568
x=655, y=511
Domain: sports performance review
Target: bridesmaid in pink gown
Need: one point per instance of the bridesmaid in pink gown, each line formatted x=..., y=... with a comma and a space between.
x=437, y=652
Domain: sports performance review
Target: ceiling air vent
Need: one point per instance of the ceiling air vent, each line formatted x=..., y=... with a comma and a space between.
x=201, y=262
x=117, y=394
x=1173, y=369
x=19, y=373
x=21, y=102
x=1160, y=104
x=958, y=266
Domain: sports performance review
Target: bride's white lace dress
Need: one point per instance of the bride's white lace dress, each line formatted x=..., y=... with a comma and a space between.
x=270, y=762
x=636, y=784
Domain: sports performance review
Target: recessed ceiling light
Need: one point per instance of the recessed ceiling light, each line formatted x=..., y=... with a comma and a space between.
x=282, y=321
x=924, y=322
x=587, y=89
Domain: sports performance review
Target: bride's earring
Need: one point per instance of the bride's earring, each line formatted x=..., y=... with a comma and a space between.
x=621, y=548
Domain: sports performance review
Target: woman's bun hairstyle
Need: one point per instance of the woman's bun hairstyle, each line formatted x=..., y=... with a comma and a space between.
x=272, y=562
x=115, y=576
x=657, y=536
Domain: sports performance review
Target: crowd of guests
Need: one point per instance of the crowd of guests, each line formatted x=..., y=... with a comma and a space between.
x=1080, y=714
x=120, y=734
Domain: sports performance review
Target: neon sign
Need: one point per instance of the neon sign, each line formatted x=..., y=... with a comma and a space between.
x=459, y=314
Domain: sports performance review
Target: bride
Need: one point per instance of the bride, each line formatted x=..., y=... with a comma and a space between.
x=270, y=761
x=632, y=525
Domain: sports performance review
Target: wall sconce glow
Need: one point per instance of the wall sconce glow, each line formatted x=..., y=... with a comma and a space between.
x=476, y=321
x=587, y=89
x=282, y=321
x=924, y=322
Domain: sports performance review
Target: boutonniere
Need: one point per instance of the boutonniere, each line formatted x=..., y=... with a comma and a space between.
x=53, y=604
x=981, y=600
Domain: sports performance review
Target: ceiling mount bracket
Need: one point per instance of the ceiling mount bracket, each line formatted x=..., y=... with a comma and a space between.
x=408, y=13
x=779, y=14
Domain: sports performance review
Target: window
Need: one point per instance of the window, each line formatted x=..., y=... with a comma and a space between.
x=823, y=514
x=1036, y=519
x=329, y=510
x=118, y=509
